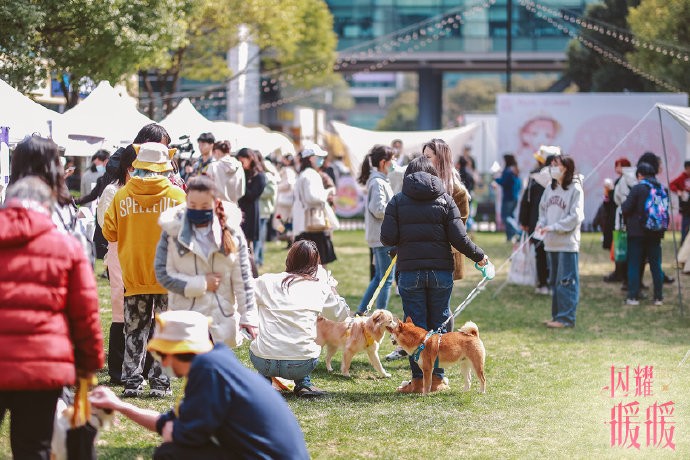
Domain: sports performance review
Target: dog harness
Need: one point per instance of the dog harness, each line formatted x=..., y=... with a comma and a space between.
x=422, y=346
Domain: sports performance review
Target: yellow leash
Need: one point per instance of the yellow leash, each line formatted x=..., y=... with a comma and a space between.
x=380, y=286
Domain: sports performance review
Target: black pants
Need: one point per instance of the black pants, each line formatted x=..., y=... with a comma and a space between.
x=542, y=267
x=172, y=451
x=31, y=424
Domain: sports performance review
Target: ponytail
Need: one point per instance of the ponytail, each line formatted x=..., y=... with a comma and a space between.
x=228, y=242
x=366, y=170
x=377, y=154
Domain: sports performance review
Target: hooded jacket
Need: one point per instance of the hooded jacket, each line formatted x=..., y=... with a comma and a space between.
x=49, y=320
x=181, y=267
x=132, y=221
x=423, y=222
x=563, y=211
x=228, y=175
x=379, y=193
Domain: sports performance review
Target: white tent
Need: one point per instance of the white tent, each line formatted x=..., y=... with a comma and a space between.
x=185, y=120
x=102, y=120
x=359, y=141
x=24, y=116
x=680, y=114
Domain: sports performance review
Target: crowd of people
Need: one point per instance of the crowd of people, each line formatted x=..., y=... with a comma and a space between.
x=184, y=244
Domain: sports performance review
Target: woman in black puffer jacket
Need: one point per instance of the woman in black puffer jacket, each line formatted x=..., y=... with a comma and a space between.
x=423, y=222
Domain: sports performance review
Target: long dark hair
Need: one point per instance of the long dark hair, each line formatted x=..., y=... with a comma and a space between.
x=421, y=164
x=374, y=157
x=205, y=184
x=153, y=132
x=37, y=156
x=302, y=262
x=255, y=163
x=127, y=157
x=101, y=155
x=569, y=173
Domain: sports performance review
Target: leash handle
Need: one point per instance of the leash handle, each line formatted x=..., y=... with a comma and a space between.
x=380, y=286
x=488, y=270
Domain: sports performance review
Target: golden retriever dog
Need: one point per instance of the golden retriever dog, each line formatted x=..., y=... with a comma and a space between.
x=463, y=345
x=353, y=336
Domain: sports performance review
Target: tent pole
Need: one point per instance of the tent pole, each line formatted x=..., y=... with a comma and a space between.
x=673, y=225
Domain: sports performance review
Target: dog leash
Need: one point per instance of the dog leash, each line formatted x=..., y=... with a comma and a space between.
x=489, y=272
x=380, y=286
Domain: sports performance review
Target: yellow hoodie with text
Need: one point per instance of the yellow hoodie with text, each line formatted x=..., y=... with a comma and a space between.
x=132, y=221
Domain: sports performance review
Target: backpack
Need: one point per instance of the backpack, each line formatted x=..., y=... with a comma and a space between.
x=656, y=208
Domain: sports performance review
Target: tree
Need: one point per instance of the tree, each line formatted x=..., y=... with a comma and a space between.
x=402, y=113
x=662, y=21
x=590, y=70
x=83, y=39
x=294, y=36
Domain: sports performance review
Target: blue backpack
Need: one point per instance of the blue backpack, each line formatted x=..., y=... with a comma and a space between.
x=656, y=208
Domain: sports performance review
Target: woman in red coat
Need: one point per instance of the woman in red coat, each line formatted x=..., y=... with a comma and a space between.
x=49, y=324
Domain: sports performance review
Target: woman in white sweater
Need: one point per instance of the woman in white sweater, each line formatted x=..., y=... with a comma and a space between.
x=288, y=305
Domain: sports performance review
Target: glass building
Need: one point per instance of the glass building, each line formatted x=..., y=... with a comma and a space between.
x=477, y=44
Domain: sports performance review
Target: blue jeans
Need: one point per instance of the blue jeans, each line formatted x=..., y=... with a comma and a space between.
x=641, y=248
x=564, y=279
x=259, y=244
x=382, y=261
x=508, y=218
x=425, y=296
x=684, y=227
x=297, y=370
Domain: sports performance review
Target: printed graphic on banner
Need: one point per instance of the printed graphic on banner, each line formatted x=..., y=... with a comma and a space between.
x=588, y=126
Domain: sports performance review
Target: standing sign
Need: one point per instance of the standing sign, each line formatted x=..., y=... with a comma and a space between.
x=4, y=160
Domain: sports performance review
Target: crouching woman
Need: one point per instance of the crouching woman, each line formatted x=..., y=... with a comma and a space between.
x=288, y=305
x=202, y=260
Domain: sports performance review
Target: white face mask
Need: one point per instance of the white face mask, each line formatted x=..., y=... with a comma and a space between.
x=100, y=168
x=556, y=172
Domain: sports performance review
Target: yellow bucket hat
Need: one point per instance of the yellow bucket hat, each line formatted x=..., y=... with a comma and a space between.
x=181, y=332
x=153, y=156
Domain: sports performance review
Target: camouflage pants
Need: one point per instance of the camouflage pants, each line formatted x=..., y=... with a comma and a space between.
x=138, y=313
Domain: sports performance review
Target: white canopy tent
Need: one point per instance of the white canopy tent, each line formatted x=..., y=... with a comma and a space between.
x=359, y=141
x=103, y=120
x=24, y=116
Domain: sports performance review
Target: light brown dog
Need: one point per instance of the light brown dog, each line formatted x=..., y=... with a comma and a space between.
x=463, y=345
x=353, y=336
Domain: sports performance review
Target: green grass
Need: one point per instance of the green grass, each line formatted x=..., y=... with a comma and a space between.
x=544, y=387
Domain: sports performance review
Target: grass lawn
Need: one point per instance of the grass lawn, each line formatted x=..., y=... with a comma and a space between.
x=545, y=388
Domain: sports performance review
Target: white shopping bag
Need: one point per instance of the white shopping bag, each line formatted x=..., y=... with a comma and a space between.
x=523, y=268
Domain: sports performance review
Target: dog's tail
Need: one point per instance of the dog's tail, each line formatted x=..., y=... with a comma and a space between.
x=470, y=328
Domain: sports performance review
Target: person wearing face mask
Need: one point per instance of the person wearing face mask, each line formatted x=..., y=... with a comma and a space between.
x=256, y=180
x=561, y=212
x=373, y=175
x=202, y=260
x=227, y=411
x=97, y=169
x=309, y=193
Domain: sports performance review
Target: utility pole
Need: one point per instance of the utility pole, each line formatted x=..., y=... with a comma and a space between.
x=509, y=44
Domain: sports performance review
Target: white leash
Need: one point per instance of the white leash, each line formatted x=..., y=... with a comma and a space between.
x=489, y=272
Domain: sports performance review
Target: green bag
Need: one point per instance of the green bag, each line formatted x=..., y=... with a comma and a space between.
x=620, y=246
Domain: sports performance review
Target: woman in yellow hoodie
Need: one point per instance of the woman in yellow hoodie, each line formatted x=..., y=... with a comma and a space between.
x=132, y=222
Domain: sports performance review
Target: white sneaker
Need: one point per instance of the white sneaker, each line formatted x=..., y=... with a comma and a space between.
x=398, y=353
x=544, y=290
x=632, y=302
x=658, y=302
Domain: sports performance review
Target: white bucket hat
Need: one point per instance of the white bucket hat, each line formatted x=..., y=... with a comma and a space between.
x=181, y=332
x=153, y=156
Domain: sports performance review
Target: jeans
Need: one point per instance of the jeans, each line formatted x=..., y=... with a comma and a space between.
x=259, y=244
x=641, y=248
x=176, y=451
x=382, y=261
x=425, y=296
x=508, y=218
x=684, y=227
x=564, y=279
x=31, y=424
x=297, y=370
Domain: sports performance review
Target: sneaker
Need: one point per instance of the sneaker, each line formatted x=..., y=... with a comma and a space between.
x=133, y=390
x=398, y=353
x=669, y=279
x=658, y=302
x=160, y=392
x=438, y=384
x=309, y=392
x=544, y=290
x=632, y=302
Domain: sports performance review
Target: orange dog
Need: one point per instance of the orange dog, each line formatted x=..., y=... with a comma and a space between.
x=463, y=345
x=354, y=335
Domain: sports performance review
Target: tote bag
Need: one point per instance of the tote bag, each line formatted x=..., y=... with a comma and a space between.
x=620, y=246
x=523, y=269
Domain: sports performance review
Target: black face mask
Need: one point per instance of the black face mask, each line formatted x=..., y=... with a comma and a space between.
x=200, y=216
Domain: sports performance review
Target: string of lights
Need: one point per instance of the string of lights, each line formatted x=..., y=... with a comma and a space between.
x=596, y=47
